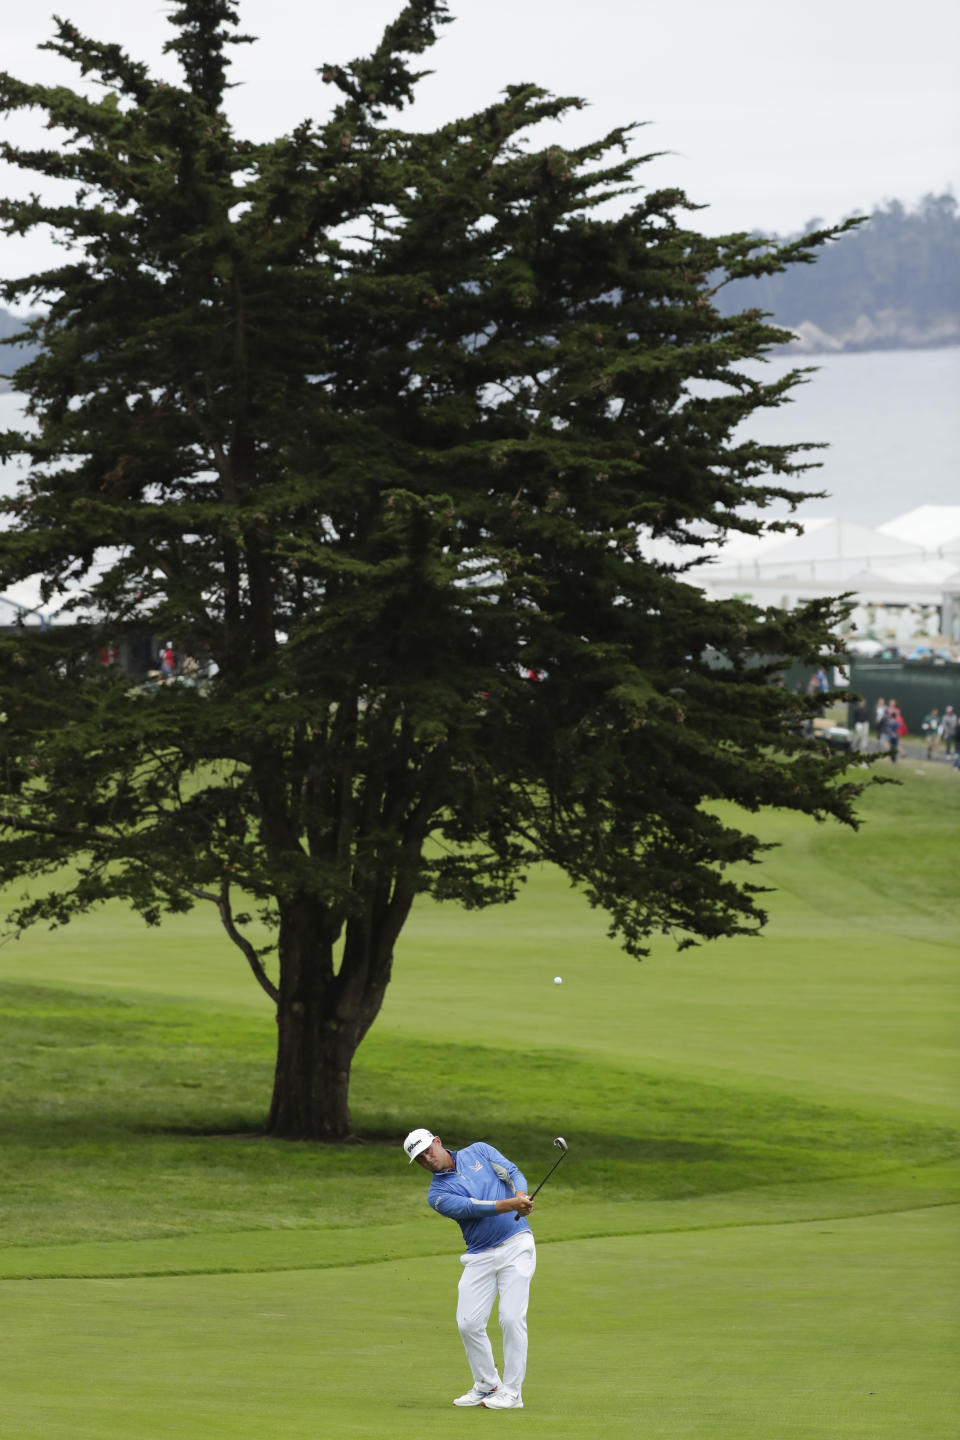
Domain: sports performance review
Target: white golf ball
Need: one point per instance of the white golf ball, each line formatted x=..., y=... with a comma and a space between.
x=558, y=979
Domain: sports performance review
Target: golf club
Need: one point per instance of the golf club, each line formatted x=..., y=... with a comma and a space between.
x=561, y=1145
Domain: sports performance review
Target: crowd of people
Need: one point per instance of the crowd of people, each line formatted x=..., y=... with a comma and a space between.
x=938, y=730
x=173, y=668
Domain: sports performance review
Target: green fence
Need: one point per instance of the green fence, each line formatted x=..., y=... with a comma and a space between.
x=918, y=686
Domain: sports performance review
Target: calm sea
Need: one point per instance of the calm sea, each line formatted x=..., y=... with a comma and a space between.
x=891, y=419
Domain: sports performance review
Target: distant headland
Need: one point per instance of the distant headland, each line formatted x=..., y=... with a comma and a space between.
x=891, y=284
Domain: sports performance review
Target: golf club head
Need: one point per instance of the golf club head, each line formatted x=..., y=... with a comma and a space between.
x=561, y=1144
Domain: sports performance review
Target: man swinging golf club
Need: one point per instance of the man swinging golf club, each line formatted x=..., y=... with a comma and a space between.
x=487, y=1195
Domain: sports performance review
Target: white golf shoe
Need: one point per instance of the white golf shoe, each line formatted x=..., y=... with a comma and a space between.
x=477, y=1395
x=502, y=1400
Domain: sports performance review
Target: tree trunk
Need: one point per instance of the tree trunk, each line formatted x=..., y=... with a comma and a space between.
x=316, y=1039
x=323, y=1014
x=312, y=1078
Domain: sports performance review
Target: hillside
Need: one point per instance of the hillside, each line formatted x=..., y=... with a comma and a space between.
x=894, y=283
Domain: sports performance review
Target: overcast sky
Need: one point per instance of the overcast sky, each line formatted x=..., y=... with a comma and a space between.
x=772, y=114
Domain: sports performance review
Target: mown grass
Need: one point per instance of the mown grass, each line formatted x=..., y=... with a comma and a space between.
x=120, y=1122
x=752, y=1237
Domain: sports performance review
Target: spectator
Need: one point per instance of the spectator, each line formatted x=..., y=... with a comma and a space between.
x=861, y=727
x=931, y=729
x=892, y=727
x=879, y=721
x=168, y=661
x=948, y=731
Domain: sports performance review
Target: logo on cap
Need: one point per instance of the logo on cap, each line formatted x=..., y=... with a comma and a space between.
x=416, y=1142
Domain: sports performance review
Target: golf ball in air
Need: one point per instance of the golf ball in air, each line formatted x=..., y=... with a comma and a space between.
x=558, y=979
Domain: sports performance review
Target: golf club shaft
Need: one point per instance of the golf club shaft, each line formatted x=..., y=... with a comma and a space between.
x=544, y=1180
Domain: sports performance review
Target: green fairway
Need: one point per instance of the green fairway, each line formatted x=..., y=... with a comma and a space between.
x=752, y=1238
x=839, y=1328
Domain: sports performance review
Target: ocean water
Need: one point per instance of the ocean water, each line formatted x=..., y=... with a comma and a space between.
x=890, y=417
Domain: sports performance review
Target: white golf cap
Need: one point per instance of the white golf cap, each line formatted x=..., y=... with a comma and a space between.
x=417, y=1141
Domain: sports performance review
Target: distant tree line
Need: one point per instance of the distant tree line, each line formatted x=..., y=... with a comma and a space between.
x=894, y=282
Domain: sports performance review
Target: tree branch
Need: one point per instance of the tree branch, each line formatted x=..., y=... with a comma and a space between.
x=222, y=903
x=64, y=832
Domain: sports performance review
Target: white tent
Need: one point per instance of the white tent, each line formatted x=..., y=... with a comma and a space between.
x=935, y=528
x=828, y=554
x=904, y=575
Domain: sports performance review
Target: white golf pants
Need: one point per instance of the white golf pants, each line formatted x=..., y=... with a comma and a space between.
x=506, y=1270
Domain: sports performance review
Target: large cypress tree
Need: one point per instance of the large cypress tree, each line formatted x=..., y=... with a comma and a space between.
x=382, y=423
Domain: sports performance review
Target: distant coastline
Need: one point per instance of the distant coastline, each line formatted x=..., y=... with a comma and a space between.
x=878, y=334
x=886, y=331
x=892, y=283
x=864, y=337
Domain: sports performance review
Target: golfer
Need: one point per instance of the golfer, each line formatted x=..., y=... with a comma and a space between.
x=485, y=1193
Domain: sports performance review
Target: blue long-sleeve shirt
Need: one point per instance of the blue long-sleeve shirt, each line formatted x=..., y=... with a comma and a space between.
x=469, y=1194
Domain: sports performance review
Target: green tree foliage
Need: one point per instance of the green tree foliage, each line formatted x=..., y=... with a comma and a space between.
x=382, y=423
x=891, y=283
x=899, y=273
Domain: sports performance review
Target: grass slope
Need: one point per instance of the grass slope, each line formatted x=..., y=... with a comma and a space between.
x=752, y=1236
